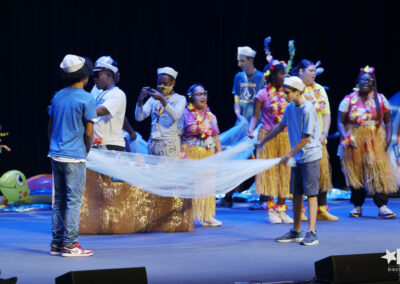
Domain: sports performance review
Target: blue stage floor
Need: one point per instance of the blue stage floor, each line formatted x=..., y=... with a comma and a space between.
x=243, y=249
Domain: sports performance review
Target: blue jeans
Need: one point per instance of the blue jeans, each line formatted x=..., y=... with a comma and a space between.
x=69, y=184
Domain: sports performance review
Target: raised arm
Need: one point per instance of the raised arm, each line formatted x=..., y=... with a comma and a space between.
x=176, y=111
x=143, y=111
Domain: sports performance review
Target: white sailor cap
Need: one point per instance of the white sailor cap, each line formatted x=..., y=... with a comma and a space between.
x=246, y=51
x=106, y=62
x=167, y=70
x=72, y=63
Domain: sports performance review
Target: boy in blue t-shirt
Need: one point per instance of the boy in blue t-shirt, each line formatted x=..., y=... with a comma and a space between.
x=71, y=135
x=301, y=120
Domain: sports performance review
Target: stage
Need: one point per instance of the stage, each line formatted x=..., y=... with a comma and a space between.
x=243, y=249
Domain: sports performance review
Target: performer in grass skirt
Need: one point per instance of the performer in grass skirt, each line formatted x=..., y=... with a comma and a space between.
x=316, y=94
x=275, y=182
x=364, y=144
x=200, y=140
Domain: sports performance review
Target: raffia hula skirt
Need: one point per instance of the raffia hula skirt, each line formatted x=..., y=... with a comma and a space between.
x=275, y=181
x=203, y=208
x=368, y=164
x=325, y=173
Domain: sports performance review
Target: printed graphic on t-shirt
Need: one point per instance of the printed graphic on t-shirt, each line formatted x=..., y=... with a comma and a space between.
x=248, y=91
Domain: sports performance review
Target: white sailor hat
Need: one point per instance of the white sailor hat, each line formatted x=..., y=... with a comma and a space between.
x=246, y=51
x=106, y=62
x=167, y=70
x=72, y=63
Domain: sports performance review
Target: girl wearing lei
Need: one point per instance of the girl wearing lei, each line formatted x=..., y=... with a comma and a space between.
x=200, y=140
x=316, y=94
x=272, y=103
x=364, y=144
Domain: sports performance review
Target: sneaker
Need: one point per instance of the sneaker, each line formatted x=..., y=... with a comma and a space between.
x=212, y=223
x=356, y=212
x=259, y=206
x=386, y=213
x=291, y=236
x=323, y=214
x=286, y=219
x=75, y=250
x=281, y=209
x=55, y=249
x=224, y=203
x=273, y=217
x=310, y=239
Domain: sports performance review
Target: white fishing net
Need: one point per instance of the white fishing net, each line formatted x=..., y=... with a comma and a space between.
x=185, y=178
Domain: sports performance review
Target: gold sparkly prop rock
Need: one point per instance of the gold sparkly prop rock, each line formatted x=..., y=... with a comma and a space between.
x=118, y=208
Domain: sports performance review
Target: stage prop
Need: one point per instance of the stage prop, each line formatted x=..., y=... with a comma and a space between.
x=20, y=194
x=119, y=208
x=356, y=268
x=135, y=275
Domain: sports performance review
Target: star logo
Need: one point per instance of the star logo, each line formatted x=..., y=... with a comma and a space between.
x=389, y=256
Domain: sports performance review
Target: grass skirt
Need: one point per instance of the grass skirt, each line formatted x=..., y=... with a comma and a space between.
x=203, y=208
x=368, y=164
x=275, y=181
x=325, y=174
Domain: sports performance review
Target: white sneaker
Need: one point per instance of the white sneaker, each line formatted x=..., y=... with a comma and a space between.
x=386, y=213
x=356, y=212
x=212, y=223
x=75, y=250
x=286, y=219
x=273, y=217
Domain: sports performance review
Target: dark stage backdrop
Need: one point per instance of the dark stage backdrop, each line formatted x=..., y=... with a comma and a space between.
x=198, y=38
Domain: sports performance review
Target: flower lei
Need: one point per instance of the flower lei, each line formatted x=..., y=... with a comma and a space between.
x=203, y=121
x=361, y=115
x=315, y=97
x=277, y=102
x=347, y=140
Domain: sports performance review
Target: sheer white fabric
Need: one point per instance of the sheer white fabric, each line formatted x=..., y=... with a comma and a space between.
x=185, y=178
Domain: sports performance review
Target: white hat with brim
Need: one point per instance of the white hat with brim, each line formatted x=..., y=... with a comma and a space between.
x=246, y=51
x=294, y=82
x=167, y=70
x=72, y=63
x=105, y=63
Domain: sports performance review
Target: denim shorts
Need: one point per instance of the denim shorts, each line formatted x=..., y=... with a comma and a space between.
x=304, y=178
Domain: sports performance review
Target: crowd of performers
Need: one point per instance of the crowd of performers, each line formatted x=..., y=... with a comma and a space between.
x=295, y=118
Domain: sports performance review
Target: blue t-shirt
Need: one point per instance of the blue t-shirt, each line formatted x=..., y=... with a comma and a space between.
x=246, y=89
x=71, y=108
x=303, y=120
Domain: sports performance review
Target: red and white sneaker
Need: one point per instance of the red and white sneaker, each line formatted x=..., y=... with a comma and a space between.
x=55, y=249
x=75, y=250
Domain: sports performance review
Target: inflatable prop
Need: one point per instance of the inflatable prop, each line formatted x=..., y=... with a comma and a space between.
x=20, y=194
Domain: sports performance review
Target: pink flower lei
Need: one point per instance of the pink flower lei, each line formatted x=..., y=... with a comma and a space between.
x=277, y=102
x=203, y=120
x=361, y=115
